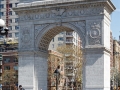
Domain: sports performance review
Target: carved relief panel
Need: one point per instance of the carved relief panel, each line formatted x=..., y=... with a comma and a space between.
x=94, y=32
x=25, y=37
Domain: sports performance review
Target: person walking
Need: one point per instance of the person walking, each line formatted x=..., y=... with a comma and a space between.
x=21, y=88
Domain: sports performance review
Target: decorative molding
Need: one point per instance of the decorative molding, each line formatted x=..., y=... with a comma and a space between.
x=94, y=36
x=25, y=3
x=41, y=54
x=25, y=39
x=80, y=25
x=29, y=55
x=62, y=12
x=38, y=28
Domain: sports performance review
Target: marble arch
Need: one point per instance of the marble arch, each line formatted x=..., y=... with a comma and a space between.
x=39, y=21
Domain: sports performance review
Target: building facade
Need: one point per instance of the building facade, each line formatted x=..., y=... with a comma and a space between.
x=9, y=66
x=10, y=17
x=116, y=55
x=9, y=70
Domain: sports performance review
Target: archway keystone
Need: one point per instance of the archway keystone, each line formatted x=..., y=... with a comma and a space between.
x=40, y=21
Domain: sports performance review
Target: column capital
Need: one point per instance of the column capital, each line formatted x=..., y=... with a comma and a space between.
x=96, y=50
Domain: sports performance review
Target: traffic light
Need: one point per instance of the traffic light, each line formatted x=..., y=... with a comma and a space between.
x=1, y=57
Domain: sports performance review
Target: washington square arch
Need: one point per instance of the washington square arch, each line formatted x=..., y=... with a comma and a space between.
x=41, y=20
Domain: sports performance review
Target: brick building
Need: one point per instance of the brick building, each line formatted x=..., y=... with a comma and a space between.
x=9, y=66
x=9, y=69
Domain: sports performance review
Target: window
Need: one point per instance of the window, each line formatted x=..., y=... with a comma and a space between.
x=16, y=20
x=59, y=44
x=60, y=39
x=15, y=60
x=16, y=4
x=52, y=45
x=6, y=60
x=10, y=20
x=6, y=67
x=10, y=12
x=15, y=67
x=62, y=33
x=10, y=27
x=10, y=5
x=53, y=39
x=17, y=34
x=16, y=27
x=9, y=34
x=1, y=37
x=1, y=13
x=1, y=6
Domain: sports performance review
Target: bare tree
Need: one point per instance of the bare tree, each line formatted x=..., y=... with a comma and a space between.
x=9, y=78
x=74, y=54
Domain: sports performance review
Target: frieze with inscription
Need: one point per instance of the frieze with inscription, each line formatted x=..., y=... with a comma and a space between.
x=60, y=12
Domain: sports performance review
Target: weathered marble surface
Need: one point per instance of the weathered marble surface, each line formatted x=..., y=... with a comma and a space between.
x=39, y=24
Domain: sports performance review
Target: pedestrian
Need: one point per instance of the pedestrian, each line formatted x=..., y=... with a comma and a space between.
x=21, y=88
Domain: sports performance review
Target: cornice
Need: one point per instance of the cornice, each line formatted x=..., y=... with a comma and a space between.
x=46, y=6
x=59, y=12
x=97, y=50
x=110, y=6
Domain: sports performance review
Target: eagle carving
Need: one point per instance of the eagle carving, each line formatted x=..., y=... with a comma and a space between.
x=58, y=11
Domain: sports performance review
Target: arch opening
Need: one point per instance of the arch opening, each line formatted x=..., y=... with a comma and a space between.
x=49, y=32
x=67, y=54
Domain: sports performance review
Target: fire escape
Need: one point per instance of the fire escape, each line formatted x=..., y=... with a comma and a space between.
x=7, y=13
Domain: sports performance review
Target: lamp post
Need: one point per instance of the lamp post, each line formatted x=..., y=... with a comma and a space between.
x=111, y=85
x=72, y=80
x=3, y=31
x=57, y=74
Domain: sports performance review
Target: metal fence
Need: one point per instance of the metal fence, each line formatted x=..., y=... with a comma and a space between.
x=9, y=88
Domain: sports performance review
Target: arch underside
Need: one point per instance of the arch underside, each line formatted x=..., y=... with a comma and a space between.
x=46, y=38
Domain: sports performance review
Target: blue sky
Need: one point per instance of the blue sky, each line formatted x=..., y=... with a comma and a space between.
x=115, y=19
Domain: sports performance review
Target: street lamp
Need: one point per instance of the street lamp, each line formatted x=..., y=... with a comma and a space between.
x=72, y=80
x=112, y=85
x=57, y=74
x=3, y=31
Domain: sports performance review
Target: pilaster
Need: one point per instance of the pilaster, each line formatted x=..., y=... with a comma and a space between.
x=96, y=74
x=33, y=70
x=26, y=70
